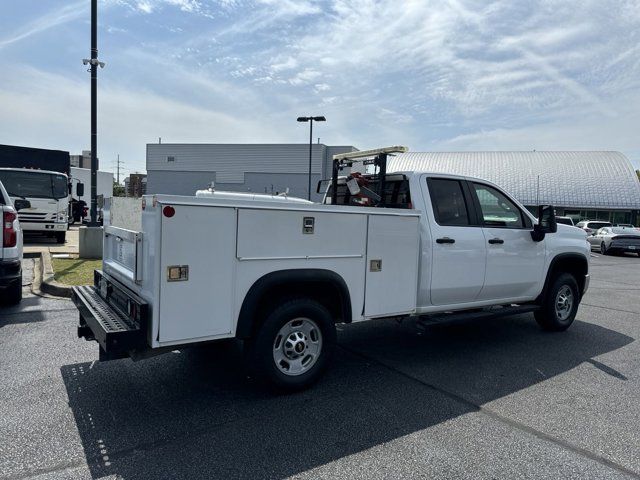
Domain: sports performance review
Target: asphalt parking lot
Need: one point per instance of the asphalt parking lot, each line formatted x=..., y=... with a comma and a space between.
x=496, y=399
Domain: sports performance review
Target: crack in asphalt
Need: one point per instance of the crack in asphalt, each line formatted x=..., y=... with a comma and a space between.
x=610, y=308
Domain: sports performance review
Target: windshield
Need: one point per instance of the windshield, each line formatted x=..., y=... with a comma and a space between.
x=597, y=225
x=30, y=183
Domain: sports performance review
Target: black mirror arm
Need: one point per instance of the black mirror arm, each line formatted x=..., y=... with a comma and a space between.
x=538, y=233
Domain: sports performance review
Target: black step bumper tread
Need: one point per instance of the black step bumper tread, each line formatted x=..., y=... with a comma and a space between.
x=114, y=331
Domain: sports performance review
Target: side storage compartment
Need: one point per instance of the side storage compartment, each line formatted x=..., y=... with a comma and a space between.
x=392, y=265
x=197, y=272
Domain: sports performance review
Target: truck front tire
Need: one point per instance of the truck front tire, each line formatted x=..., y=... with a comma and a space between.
x=61, y=237
x=293, y=346
x=559, y=308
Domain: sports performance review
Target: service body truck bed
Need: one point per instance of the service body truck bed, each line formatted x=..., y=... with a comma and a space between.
x=219, y=248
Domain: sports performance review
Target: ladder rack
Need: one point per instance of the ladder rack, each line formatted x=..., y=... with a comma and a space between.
x=377, y=157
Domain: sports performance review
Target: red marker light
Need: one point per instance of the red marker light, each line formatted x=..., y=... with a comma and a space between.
x=169, y=211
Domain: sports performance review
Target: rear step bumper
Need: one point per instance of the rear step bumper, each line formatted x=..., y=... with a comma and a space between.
x=116, y=333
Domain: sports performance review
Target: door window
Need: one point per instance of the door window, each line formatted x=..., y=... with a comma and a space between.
x=497, y=210
x=449, y=205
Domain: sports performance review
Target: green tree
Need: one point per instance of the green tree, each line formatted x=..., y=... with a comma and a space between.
x=118, y=190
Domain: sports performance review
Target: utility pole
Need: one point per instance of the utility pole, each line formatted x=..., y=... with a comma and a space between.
x=118, y=163
x=94, y=62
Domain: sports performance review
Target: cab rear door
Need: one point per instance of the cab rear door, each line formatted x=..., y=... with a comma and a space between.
x=457, y=242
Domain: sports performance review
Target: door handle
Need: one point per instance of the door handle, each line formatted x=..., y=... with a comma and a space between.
x=494, y=241
x=445, y=240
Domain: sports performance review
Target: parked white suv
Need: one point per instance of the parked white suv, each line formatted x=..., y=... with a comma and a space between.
x=10, y=249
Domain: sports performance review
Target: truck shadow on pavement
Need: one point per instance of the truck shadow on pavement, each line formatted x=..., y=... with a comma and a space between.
x=194, y=414
x=29, y=310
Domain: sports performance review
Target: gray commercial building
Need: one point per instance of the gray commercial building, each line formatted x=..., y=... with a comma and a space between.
x=582, y=185
x=183, y=168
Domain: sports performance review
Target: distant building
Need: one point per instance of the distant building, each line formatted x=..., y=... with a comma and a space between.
x=181, y=169
x=83, y=160
x=581, y=185
x=135, y=185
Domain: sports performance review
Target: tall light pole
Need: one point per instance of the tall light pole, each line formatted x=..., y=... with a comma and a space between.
x=311, y=120
x=94, y=62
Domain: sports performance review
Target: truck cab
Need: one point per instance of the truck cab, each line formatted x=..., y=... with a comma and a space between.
x=477, y=241
x=47, y=192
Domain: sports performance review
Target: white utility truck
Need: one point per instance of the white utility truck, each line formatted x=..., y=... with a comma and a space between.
x=280, y=273
x=48, y=193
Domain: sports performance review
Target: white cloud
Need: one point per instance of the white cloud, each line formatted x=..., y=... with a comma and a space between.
x=45, y=22
x=144, y=6
x=304, y=77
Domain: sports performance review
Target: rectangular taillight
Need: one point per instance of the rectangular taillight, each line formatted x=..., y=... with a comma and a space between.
x=9, y=234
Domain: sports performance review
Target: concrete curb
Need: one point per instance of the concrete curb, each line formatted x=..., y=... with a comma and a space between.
x=47, y=281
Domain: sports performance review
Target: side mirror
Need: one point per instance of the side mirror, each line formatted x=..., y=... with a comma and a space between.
x=20, y=204
x=546, y=223
x=80, y=189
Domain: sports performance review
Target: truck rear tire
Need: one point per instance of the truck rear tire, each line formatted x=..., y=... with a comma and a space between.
x=13, y=293
x=61, y=237
x=560, y=305
x=293, y=346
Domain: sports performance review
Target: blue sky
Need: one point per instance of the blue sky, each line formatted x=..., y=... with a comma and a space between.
x=429, y=74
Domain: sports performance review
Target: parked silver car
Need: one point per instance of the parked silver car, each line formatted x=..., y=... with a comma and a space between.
x=591, y=226
x=612, y=239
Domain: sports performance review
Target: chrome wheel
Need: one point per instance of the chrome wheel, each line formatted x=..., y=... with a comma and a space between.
x=297, y=346
x=564, y=302
x=603, y=248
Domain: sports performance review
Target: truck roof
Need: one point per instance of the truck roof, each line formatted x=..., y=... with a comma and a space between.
x=445, y=175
